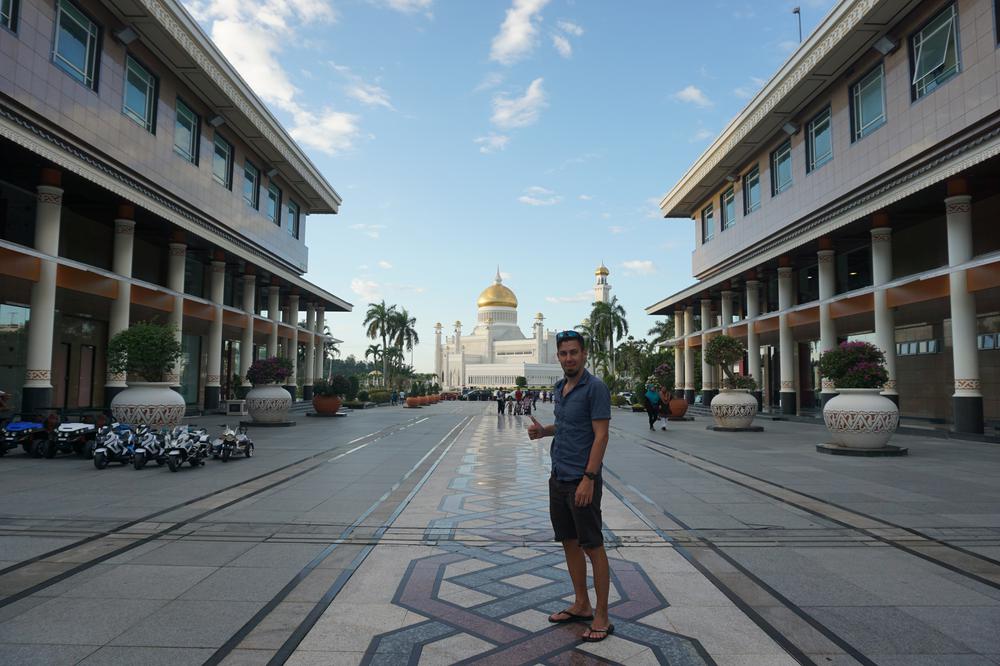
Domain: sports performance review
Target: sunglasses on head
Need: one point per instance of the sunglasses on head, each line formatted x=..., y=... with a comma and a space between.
x=568, y=335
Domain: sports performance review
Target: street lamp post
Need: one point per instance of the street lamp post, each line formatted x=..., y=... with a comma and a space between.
x=798, y=13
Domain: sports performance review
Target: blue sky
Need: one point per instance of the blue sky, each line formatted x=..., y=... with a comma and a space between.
x=537, y=135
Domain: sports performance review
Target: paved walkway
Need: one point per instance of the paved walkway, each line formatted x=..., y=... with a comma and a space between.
x=422, y=536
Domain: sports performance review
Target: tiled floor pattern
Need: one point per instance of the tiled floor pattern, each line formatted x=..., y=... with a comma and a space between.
x=482, y=592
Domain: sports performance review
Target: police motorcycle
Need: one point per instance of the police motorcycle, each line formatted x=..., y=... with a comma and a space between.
x=187, y=446
x=116, y=443
x=27, y=431
x=232, y=441
x=151, y=446
x=77, y=437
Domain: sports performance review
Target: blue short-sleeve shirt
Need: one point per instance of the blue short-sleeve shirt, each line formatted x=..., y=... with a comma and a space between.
x=589, y=401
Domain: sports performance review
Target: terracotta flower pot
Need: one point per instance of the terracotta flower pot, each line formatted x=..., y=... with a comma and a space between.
x=326, y=404
x=678, y=407
x=412, y=402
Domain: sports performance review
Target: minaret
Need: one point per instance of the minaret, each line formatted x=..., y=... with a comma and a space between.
x=489, y=341
x=461, y=354
x=437, y=353
x=539, y=330
x=602, y=290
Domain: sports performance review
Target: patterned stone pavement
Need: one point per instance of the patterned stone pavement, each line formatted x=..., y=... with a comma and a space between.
x=468, y=574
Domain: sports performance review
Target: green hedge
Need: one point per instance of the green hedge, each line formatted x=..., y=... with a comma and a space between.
x=379, y=396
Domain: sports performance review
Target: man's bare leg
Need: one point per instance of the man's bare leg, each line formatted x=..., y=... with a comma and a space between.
x=577, y=565
x=602, y=586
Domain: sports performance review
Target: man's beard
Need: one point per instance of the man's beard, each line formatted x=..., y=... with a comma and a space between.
x=571, y=374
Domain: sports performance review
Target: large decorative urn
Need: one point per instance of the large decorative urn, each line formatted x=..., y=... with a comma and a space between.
x=327, y=404
x=269, y=403
x=154, y=404
x=733, y=408
x=860, y=418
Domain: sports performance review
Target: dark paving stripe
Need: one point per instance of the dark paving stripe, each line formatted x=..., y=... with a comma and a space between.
x=16, y=575
x=980, y=568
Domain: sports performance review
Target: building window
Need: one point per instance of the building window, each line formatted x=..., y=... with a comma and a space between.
x=989, y=341
x=819, y=142
x=273, y=209
x=918, y=347
x=187, y=129
x=728, y=208
x=751, y=191
x=868, y=103
x=140, y=94
x=8, y=14
x=781, y=168
x=934, y=53
x=293, y=219
x=251, y=185
x=222, y=162
x=77, y=44
x=707, y=223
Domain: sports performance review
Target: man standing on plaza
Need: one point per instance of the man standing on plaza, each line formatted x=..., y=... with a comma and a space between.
x=583, y=414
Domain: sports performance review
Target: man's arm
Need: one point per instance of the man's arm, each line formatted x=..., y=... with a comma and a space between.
x=585, y=489
x=536, y=430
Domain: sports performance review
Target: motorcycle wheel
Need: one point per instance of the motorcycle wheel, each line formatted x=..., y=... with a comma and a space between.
x=172, y=463
x=225, y=454
x=88, y=450
x=36, y=448
x=139, y=461
x=248, y=451
x=49, y=450
x=100, y=460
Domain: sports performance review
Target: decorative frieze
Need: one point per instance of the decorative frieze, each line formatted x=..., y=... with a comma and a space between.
x=50, y=198
x=787, y=385
x=954, y=207
x=124, y=227
x=37, y=375
x=968, y=385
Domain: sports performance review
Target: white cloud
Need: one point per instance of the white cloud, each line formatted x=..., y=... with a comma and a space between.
x=490, y=81
x=616, y=230
x=692, y=95
x=582, y=297
x=329, y=131
x=370, y=94
x=384, y=264
x=492, y=142
x=585, y=197
x=370, y=230
x=519, y=111
x=409, y=6
x=539, y=196
x=639, y=267
x=570, y=28
x=518, y=33
x=562, y=45
x=504, y=275
x=366, y=289
x=702, y=134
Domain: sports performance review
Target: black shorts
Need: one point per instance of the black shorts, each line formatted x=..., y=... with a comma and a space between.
x=572, y=522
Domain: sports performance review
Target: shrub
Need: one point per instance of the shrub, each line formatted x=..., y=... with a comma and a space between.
x=379, y=397
x=664, y=374
x=269, y=371
x=363, y=396
x=145, y=350
x=725, y=351
x=854, y=365
x=352, y=389
x=617, y=400
x=521, y=381
x=336, y=386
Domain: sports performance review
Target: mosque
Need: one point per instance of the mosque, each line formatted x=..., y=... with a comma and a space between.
x=497, y=352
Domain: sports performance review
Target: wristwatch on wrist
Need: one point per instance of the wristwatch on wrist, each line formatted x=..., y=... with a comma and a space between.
x=591, y=475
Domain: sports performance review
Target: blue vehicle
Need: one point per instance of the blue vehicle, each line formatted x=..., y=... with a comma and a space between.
x=117, y=443
x=27, y=431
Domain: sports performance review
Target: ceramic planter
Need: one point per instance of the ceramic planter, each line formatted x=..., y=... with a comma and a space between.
x=733, y=408
x=861, y=418
x=326, y=404
x=154, y=404
x=269, y=403
x=412, y=402
x=678, y=407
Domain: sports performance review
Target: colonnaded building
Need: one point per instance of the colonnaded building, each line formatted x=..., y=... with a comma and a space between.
x=142, y=179
x=496, y=353
x=857, y=197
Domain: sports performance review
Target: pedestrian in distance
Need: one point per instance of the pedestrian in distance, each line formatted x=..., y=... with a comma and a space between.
x=500, y=402
x=582, y=406
x=534, y=400
x=651, y=399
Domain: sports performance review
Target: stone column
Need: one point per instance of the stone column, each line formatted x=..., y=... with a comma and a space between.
x=786, y=349
x=688, y=354
x=176, y=263
x=827, y=329
x=437, y=354
x=707, y=371
x=726, y=308
x=885, y=319
x=120, y=306
x=539, y=338
x=37, y=391
x=320, y=345
x=968, y=398
x=309, y=367
x=753, y=339
x=293, y=345
x=678, y=353
x=213, y=375
x=274, y=314
x=249, y=307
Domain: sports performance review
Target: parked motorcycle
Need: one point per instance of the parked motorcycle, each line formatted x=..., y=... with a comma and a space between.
x=151, y=446
x=187, y=446
x=116, y=443
x=231, y=442
x=75, y=437
x=25, y=430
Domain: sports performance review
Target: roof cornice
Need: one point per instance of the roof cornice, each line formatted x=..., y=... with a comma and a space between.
x=172, y=16
x=832, y=31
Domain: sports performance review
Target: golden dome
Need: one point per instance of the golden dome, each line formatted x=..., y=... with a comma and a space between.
x=497, y=295
x=602, y=270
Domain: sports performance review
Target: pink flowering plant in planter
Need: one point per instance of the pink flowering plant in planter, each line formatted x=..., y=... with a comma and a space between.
x=269, y=371
x=854, y=365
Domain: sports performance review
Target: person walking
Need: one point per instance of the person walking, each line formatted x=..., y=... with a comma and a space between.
x=534, y=400
x=652, y=401
x=582, y=406
x=500, y=402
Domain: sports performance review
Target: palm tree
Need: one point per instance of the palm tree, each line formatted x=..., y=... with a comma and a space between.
x=403, y=330
x=662, y=331
x=608, y=320
x=595, y=351
x=395, y=361
x=378, y=320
